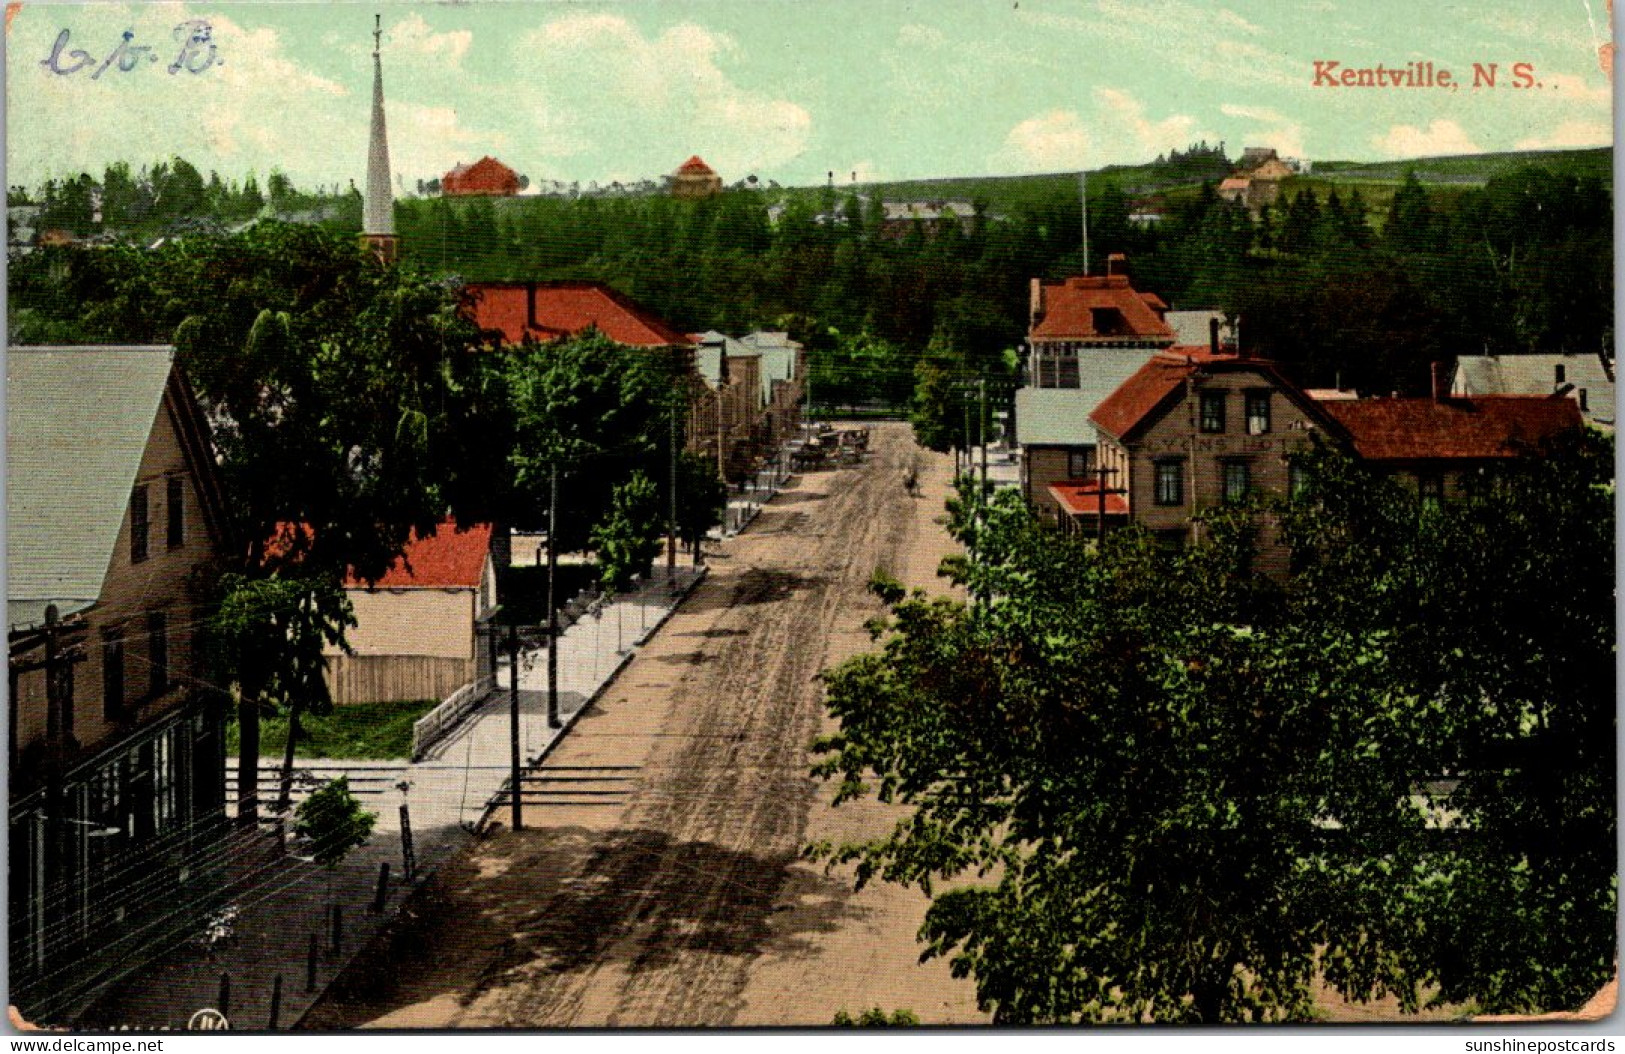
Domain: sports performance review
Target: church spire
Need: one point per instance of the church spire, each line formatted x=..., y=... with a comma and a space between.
x=378, y=222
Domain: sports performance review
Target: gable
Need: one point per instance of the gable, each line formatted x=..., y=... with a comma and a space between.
x=78, y=424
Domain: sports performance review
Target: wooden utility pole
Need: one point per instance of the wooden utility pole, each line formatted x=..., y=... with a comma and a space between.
x=671, y=520
x=981, y=427
x=1100, y=473
x=552, y=608
x=513, y=723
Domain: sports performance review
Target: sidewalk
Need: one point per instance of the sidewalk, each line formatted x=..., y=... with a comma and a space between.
x=284, y=904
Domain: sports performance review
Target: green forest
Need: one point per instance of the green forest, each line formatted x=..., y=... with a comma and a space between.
x=1358, y=276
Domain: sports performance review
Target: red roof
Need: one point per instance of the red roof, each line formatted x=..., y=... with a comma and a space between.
x=1081, y=497
x=485, y=176
x=448, y=558
x=1489, y=426
x=1147, y=387
x=550, y=310
x=694, y=166
x=1100, y=307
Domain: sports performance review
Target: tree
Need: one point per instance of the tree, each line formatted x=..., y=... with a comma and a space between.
x=629, y=537
x=702, y=497
x=266, y=639
x=334, y=822
x=594, y=410
x=1169, y=789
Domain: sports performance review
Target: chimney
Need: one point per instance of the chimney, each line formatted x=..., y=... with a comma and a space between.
x=1441, y=388
x=1213, y=336
x=1116, y=263
x=1035, y=302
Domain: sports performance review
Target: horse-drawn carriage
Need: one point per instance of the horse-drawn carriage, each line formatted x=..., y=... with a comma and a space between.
x=822, y=445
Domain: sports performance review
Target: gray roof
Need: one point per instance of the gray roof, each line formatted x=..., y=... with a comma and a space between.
x=77, y=423
x=1537, y=375
x=1060, y=416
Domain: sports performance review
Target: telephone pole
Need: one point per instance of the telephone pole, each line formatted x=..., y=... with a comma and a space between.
x=1100, y=473
x=671, y=520
x=552, y=610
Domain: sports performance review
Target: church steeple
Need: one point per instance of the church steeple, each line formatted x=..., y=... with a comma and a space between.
x=378, y=217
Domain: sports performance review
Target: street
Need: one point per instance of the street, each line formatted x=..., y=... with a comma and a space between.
x=659, y=880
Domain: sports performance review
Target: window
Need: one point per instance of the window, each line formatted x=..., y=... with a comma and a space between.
x=1237, y=480
x=1258, y=412
x=1170, y=482
x=113, y=675
x=138, y=524
x=1080, y=461
x=1213, y=411
x=1560, y=374
x=158, y=654
x=175, y=506
x=1297, y=480
x=1430, y=488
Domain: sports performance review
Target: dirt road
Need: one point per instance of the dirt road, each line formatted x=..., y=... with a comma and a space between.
x=661, y=884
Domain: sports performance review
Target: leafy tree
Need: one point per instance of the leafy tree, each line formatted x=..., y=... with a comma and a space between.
x=702, y=498
x=593, y=410
x=1166, y=789
x=334, y=821
x=875, y=1017
x=266, y=639
x=628, y=539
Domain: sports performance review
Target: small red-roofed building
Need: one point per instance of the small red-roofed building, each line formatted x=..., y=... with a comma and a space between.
x=416, y=634
x=695, y=179
x=487, y=176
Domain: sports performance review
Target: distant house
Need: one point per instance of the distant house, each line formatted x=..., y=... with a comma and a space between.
x=1086, y=336
x=417, y=628
x=1235, y=189
x=1587, y=379
x=695, y=179
x=1197, y=427
x=1435, y=444
x=544, y=311
x=487, y=176
x=114, y=530
x=932, y=217
x=1254, y=156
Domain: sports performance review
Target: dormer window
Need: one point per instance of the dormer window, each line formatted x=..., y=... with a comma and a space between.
x=1106, y=321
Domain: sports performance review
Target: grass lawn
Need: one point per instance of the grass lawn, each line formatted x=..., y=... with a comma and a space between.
x=359, y=732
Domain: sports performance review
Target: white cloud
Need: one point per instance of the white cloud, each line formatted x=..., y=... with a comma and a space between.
x=1051, y=141
x=667, y=96
x=1441, y=136
x=1570, y=135
x=1124, y=121
x=412, y=36
x=915, y=35
x=1226, y=17
x=1277, y=130
x=1119, y=132
x=255, y=109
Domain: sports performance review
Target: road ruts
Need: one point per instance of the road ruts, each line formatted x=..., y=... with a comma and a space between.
x=678, y=895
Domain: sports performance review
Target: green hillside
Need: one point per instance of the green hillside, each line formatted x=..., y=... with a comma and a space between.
x=1375, y=179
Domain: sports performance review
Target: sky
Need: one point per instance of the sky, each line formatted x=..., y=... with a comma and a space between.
x=786, y=90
